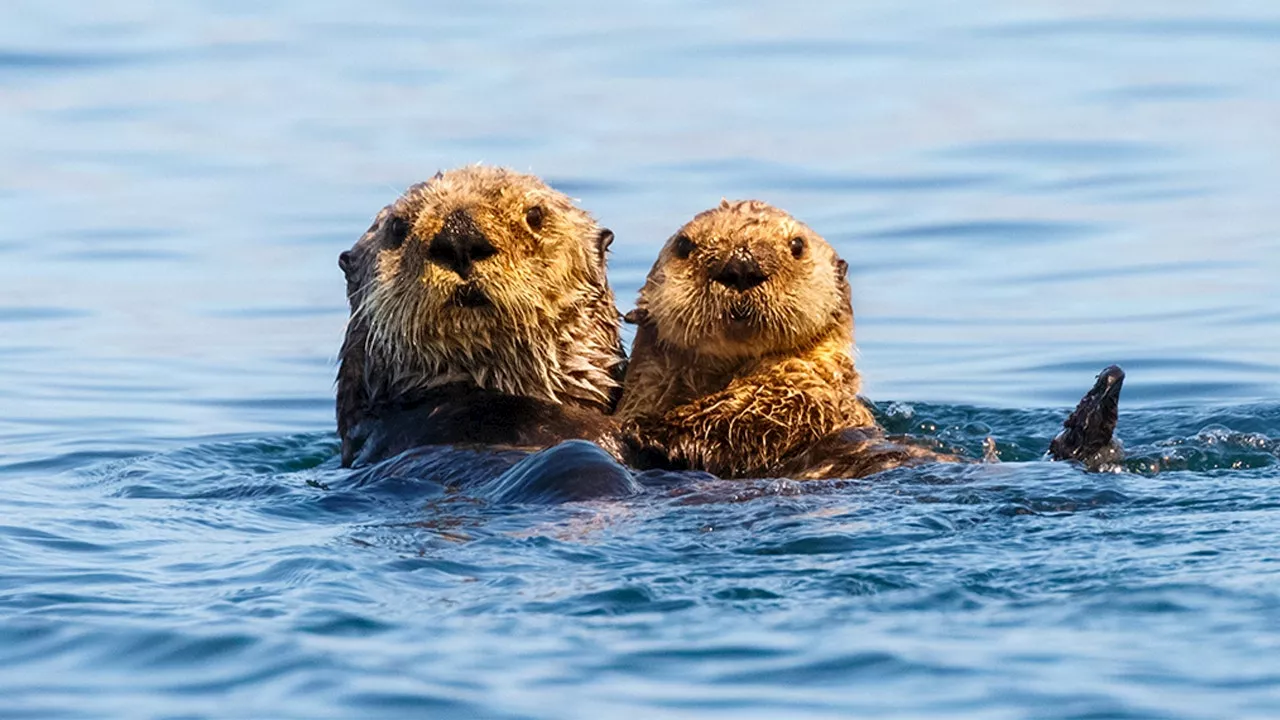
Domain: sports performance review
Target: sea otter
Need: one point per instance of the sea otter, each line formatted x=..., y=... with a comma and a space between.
x=480, y=314
x=744, y=347
x=743, y=360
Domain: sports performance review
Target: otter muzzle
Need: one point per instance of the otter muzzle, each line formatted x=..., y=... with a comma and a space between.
x=460, y=244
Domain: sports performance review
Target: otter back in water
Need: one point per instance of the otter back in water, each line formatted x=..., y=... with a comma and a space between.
x=570, y=471
x=461, y=414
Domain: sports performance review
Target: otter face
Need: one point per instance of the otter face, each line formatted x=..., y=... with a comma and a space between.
x=487, y=275
x=480, y=247
x=745, y=278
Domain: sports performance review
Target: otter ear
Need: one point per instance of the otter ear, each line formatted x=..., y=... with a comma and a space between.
x=842, y=268
x=599, y=269
x=603, y=241
x=724, y=202
x=350, y=261
x=357, y=264
x=438, y=176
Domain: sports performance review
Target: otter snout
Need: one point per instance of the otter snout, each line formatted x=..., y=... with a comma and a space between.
x=460, y=244
x=741, y=272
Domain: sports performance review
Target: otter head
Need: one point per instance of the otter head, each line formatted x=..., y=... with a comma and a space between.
x=745, y=279
x=486, y=276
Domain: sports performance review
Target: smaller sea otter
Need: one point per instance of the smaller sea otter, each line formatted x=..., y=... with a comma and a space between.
x=743, y=360
x=744, y=351
x=480, y=314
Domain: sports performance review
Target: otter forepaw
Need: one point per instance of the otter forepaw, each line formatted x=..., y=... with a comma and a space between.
x=646, y=445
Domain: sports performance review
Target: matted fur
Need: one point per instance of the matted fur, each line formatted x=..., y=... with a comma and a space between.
x=549, y=331
x=735, y=382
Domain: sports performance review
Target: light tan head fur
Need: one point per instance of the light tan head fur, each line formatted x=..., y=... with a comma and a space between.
x=480, y=275
x=746, y=279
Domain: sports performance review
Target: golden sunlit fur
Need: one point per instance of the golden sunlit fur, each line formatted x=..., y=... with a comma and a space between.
x=547, y=327
x=733, y=381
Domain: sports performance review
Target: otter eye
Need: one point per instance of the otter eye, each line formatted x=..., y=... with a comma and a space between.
x=396, y=232
x=797, y=247
x=533, y=216
x=684, y=247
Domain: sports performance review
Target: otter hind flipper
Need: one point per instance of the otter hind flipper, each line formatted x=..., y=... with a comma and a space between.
x=1088, y=434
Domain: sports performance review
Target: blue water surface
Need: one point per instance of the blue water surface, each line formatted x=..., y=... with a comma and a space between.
x=1025, y=192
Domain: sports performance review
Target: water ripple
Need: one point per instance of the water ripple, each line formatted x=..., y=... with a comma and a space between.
x=993, y=231
x=1024, y=195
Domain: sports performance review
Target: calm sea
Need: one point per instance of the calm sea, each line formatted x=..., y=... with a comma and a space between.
x=1025, y=192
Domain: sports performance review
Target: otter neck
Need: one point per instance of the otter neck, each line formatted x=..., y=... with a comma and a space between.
x=693, y=375
x=574, y=361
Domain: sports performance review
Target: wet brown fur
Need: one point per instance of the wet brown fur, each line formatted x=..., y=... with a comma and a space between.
x=756, y=382
x=549, y=332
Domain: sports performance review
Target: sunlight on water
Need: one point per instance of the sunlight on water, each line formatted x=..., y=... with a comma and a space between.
x=1025, y=192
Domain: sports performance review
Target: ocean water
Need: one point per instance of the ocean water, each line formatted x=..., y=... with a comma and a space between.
x=1026, y=192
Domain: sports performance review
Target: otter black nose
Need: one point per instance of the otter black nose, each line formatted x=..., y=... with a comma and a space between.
x=740, y=273
x=459, y=244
